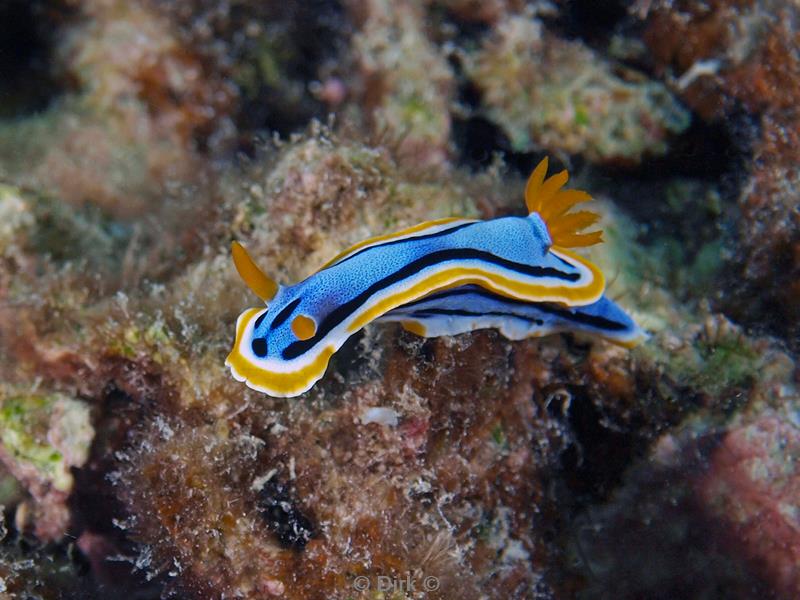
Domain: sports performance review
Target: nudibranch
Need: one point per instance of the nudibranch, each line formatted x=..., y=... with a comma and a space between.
x=442, y=277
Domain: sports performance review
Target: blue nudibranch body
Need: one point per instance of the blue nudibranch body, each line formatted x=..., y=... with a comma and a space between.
x=441, y=277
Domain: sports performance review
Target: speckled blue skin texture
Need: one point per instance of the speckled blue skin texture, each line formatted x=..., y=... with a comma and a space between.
x=470, y=307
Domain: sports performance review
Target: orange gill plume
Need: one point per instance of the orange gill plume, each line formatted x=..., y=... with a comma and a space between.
x=546, y=198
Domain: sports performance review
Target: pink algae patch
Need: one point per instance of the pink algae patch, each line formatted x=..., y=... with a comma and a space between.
x=752, y=487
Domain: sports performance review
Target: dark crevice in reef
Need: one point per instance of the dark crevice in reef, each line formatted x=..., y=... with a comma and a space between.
x=461, y=31
x=67, y=570
x=742, y=133
x=594, y=463
x=270, y=52
x=283, y=517
x=589, y=20
x=708, y=151
x=314, y=30
x=98, y=513
x=27, y=81
x=123, y=394
x=707, y=157
x=349, y=361
x=602, y=448
x=477, y=141
x=312, y=33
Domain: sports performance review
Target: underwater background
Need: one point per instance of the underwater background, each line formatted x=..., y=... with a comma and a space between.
x=138, y=138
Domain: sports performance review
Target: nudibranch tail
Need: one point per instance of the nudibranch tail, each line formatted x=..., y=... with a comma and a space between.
x=261, y=285
x=546, y=198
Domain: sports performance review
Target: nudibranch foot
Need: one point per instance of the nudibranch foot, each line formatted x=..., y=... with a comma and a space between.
x=469, y=308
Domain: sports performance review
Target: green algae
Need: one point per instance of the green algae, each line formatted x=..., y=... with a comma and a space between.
x=499, y=437
x=717, y=364
x=24, y=431
x=659, y=280
x=45, y=227
x=263, y=63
